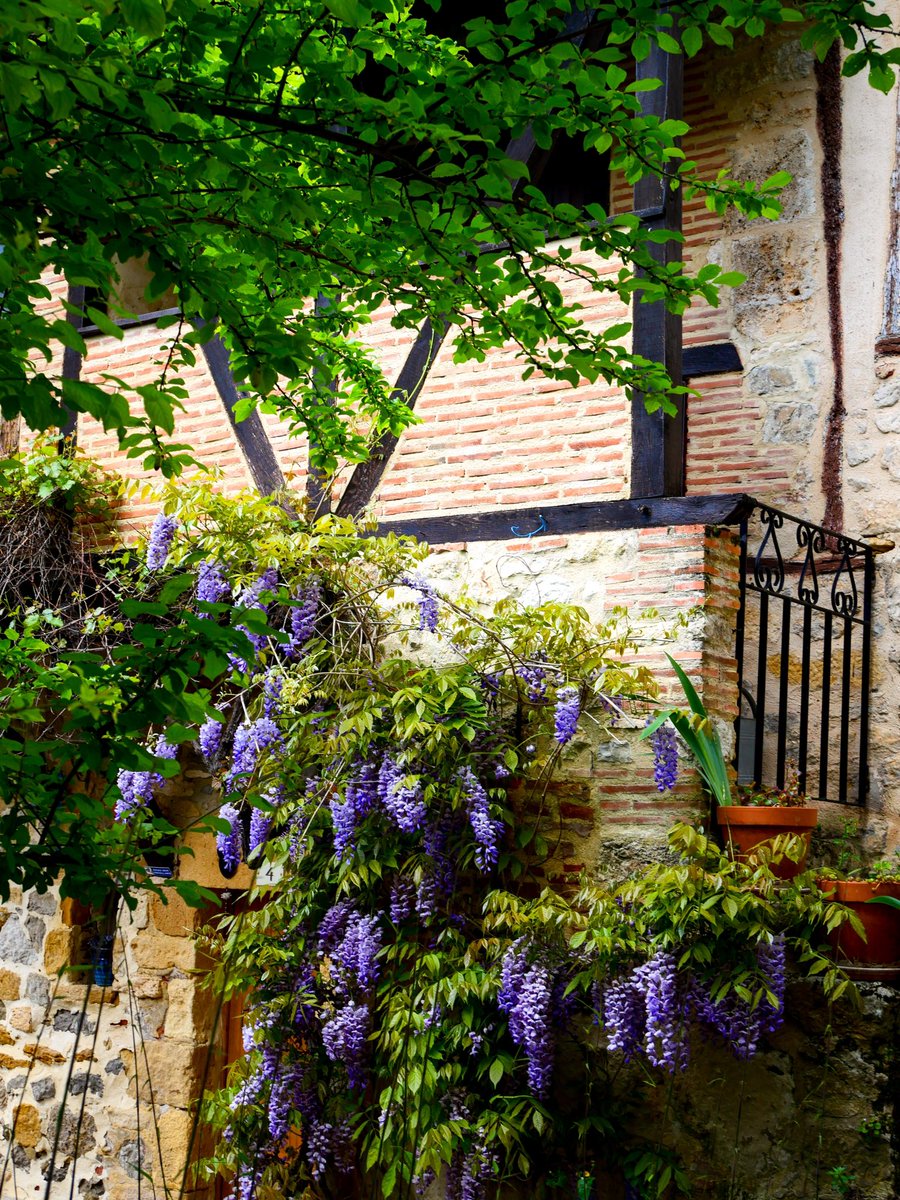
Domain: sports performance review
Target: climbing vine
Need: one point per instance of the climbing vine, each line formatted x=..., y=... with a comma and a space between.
x=433, y=999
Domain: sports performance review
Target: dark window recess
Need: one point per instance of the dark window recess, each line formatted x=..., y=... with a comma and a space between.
x=569, y=174
x=565, y=172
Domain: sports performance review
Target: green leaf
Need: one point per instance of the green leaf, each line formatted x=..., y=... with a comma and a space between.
x=691, y=40
x=496, y=1071
x=99, y=318
x=350, y=12
x=147, y=17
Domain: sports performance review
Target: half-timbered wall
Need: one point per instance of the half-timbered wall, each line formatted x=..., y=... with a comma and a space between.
x=809, y=420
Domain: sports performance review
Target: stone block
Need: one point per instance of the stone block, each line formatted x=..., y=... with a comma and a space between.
x=192, y=1011
x=37, y=990
x=8, y=1063
x=27, y=1125
x=159, y=951
x=173, y=917
x=74, y=1141
x=42, y=902
x=790, y=423
x=21, y=1018
x=174, y=1129
x=44, y=1054
x=43, y=1089
x=61, y=949
x=15, y=944
x=10, y=985
x=171, y=1070
x=858, y=453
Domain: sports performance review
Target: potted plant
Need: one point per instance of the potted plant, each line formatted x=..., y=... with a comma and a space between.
x=778, y=817
x=873, y=895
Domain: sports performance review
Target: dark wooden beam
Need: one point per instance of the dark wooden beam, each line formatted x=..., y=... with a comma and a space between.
x=718, y=358
x=71, y=369
x=250, y=433
x=318, y=492
x=504, y=525
x=367, y=475
x=658, y=441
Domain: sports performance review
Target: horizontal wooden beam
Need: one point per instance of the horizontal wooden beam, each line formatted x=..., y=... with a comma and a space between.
x=717, y=358
x=504, y=525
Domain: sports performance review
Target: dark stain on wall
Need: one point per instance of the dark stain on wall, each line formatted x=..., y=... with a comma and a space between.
x=829, y=122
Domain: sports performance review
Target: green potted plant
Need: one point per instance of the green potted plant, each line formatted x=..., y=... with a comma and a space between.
x=872, y=893
x=778, y=817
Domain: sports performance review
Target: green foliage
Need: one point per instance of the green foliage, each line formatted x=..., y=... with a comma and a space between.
x=265, y=155
x=67, y=481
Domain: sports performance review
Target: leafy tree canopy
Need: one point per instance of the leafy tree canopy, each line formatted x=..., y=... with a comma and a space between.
x=265, y=155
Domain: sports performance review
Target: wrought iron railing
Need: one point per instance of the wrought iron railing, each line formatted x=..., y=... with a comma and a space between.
x=803, y=653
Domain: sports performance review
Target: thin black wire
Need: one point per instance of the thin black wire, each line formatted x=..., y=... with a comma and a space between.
x=61, y=1112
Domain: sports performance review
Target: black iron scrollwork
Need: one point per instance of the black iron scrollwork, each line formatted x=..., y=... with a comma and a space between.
x=769, y=575
x=813, y=538
x=844, y=593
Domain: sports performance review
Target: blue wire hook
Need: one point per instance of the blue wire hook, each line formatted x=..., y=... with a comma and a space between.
x=514, y=529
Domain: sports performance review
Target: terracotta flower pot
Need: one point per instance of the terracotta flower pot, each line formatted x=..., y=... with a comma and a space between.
x=745, y=826
x=880, y=921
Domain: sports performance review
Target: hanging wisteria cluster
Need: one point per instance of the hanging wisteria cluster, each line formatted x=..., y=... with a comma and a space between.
x=651, y=1009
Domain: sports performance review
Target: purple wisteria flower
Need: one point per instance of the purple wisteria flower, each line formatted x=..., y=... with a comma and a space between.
x=280, y=1105
x=302, y=619
x=402, y=899
x=565, y=717
x=665, y=1040
x=428, y=600
x=229, y=844
x=137, y=788
x=534, y=677
x=209, y=739
x=343, y=820
x=250, y=740
x=251, y=597
x=272, y=689
x=534, y=1010
x=771, y=958
x=624, y=1017
x=527, y=997
x=318, y=1146
x=401, y=800
x=362, y=788
x=344, y=1038
x=665, y=756
x=160, y=540
x=333, y=924
x=212, y=586
x=486, y=830
x=355, y=955
x=260, y=824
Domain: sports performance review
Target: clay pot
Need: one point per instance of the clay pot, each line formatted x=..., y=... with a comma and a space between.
x=880, y=921
x=744, y=827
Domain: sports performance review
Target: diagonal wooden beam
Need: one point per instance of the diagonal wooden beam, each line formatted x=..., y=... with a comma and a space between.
x=71, y=369
x=250, y=433
x=658, y=441
x=366, y=477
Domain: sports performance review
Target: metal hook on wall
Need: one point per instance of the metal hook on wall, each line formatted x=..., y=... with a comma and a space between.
x=514, y=529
